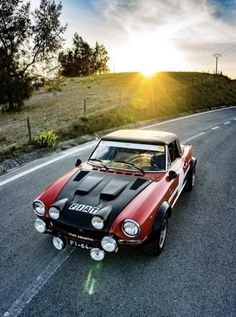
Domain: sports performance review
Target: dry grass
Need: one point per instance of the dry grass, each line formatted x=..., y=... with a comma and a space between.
x=60, y=105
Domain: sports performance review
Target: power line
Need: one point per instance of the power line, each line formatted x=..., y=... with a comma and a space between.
x=217, y=55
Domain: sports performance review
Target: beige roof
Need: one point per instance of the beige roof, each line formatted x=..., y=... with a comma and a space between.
x=141, y=136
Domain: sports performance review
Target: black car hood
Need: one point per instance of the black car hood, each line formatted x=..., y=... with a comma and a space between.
x=87, y=192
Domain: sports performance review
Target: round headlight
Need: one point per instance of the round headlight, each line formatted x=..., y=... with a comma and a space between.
x=108, y=244
x=54, y=213
x=40, y=225
x=39, y=207
x=130, y=228
x=97, y=222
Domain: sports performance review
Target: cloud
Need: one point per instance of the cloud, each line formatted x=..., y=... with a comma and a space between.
x=185, y=18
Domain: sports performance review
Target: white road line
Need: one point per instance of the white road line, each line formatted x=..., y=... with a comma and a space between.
x=216, y=127
x=193, y=137
x=68, y=153
x=82, y=148
x=228, y=122
x=190, y=116
x=25, y=298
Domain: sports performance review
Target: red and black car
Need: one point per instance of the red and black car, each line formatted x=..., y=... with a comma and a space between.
x=121, y=197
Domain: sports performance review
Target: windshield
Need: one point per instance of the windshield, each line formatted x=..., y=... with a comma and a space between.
x=129, y=156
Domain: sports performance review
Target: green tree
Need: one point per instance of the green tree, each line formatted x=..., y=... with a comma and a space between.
x=101, y=58
x=82, y=60
x=25, y=39
x=76, y=61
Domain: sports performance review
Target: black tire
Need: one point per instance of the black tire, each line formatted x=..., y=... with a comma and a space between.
x=156, y=246
x=191, y=179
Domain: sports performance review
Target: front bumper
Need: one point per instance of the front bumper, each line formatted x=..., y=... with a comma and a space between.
x=86, y=239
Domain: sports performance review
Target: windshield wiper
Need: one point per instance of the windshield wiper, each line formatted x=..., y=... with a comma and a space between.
x=131, y=164
x=100, y=162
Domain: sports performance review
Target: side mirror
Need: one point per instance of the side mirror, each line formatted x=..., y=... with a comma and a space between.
x=78, y=162
x=172, y=175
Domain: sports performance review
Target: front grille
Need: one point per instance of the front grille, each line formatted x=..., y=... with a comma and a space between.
x=94, y=234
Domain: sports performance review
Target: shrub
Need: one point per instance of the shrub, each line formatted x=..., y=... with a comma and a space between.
x=46, y=139
x=2, y=138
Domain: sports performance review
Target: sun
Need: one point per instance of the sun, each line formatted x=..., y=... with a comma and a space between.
x=148, y=72
x=150, y=53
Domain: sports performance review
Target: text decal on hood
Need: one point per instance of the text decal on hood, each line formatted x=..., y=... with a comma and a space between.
x=84, y=208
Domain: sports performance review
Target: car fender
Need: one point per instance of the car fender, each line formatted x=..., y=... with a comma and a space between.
x=163, y=210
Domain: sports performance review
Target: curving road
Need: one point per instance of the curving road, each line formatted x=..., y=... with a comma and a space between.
x=194, y=276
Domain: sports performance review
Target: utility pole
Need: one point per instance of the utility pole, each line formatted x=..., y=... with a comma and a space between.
x=217, y=55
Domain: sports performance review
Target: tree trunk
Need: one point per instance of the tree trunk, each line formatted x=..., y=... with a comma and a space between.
x=11, y=104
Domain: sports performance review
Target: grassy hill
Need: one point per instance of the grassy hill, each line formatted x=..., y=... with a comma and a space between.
x=77, y=106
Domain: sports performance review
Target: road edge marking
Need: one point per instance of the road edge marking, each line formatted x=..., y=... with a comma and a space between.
x=26, y=297
x=35, y=168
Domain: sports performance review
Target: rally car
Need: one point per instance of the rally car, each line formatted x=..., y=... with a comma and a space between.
x=122, y=197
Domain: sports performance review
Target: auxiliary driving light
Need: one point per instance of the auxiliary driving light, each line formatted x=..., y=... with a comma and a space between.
x=108, y=244
x=54, y=213
x=97, y=254
x=40, y=225
x=58, y=243
x=97, y=222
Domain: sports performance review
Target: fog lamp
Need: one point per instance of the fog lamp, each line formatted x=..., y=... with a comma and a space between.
x=40, y=225
x=97, y=254
x=109, y=244
x=58, y=243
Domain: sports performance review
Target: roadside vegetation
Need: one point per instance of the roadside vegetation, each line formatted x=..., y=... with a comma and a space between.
x=71, y=107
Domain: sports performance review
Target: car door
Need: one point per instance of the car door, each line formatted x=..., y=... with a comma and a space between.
x=176, y=164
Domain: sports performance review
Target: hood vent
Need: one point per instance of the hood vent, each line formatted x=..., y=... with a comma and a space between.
x=80, y=175
x=113, y=189
x=138, y=183
x=87, y=184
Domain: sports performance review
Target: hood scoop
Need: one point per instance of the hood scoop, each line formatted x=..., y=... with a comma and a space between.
x=87, y=184
x=97, y=193
x=80, y=175
x=113, y=189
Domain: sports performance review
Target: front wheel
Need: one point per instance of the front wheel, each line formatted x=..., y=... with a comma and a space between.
x=156, y=246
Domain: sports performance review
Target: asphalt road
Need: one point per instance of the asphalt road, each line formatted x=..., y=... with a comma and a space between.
x=194, y=276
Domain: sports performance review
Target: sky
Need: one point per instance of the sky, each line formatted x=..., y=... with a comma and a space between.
x=156, y=35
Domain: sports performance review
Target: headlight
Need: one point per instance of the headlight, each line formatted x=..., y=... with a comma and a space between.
x=108, y=244
x=130, y=228
x=39, y=207
x=54, y=213
x=97, y=222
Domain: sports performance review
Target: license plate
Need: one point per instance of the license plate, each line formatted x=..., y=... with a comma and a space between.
x=79, y=245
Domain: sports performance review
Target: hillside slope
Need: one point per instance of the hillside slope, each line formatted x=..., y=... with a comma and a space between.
x=77, y=106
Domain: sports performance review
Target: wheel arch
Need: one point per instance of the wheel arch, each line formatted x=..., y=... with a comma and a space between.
x=163, y=210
